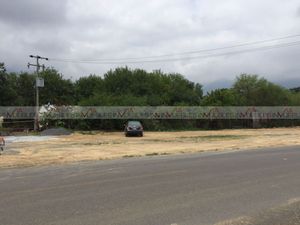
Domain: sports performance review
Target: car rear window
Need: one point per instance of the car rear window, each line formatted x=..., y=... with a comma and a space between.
x=134, y=123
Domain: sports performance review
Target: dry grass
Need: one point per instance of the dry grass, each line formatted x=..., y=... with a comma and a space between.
x=105, y=145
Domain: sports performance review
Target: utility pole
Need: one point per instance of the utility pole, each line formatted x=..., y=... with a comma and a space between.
x=38, y=66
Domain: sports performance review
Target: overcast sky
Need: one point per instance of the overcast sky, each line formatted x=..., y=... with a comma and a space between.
x=108, y=29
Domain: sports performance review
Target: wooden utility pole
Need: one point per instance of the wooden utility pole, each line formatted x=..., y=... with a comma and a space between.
x=38, y=66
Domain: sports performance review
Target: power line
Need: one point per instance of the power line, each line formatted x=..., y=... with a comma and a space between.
x=117, y=60
x=263, y=48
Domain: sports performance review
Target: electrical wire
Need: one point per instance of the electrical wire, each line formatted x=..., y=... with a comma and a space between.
x=262, y=48
x=193, y=52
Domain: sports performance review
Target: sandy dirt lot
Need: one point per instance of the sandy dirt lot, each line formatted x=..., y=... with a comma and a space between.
x=104, y=145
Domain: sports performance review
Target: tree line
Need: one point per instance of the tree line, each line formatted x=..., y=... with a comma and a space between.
x=128, y=87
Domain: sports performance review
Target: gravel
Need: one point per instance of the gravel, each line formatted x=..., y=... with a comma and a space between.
x=55, y=132
x=14, y=139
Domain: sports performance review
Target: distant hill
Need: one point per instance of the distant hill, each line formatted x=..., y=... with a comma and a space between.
x=218, y=84
x=289, y=83
x=227, y=83
x=297, y=89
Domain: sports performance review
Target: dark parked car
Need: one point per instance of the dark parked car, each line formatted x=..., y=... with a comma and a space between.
x=133, y=128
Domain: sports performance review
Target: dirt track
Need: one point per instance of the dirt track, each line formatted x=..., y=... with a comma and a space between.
x=100, y=145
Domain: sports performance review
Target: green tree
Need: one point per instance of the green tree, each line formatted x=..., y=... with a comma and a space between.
x=156, y=87
x=86, y=87
x=2, y=68
x=220, y=97
x=8, y=88
x=183, y=91
x=25, y=89
x=57, y=90
x=252, y=90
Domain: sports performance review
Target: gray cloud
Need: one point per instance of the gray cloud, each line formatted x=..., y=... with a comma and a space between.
x=93, y=29
x=33, y=12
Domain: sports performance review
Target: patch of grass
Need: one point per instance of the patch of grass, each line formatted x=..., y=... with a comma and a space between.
x=152, y=154
x=157, y=153
x=273, y=135
x=213, y=137
x=102, y=143
x=159, y=140
x=131, y=156
x=90, y=132
x=96, y=143
x=165, y=153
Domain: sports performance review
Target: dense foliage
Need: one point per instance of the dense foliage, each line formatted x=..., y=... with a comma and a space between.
x=250, y=90
x=124, y=87
x=119, y=87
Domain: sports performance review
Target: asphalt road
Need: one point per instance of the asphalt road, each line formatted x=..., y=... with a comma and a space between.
x=162, y=190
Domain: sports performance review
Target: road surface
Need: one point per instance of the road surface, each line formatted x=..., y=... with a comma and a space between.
x=191, y=189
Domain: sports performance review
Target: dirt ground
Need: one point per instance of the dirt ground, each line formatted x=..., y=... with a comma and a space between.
x=105, y=145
